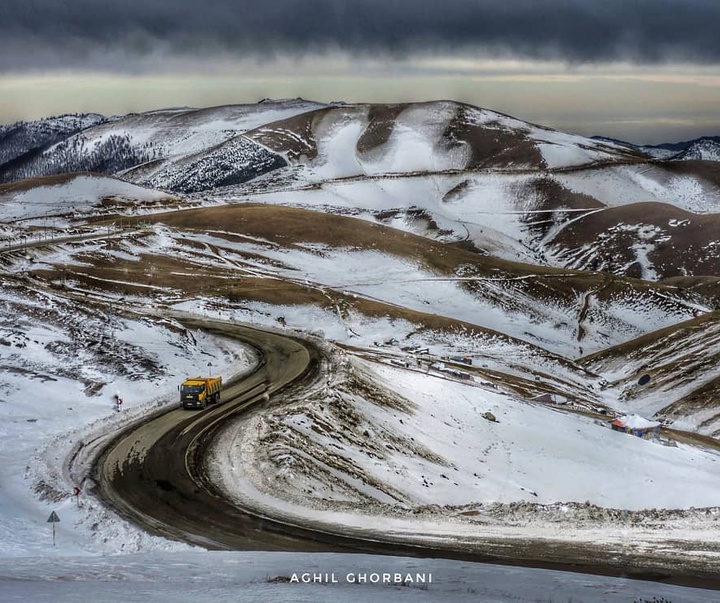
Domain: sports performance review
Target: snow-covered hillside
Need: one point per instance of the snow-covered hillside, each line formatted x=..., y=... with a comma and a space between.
x=560, y=313
x=437, y=456
x=677, y=362
x=231, y=162
x=52, y=202
x=62, y=361
x=23, y=139
x=472, y=175
x=142, y=144
x=461, y=278
x=369, y=140
x=704, y=150
x=530, y=217
x=445, y=170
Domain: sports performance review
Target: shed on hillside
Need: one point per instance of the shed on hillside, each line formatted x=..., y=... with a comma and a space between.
x=635, y=425
x=549, y=398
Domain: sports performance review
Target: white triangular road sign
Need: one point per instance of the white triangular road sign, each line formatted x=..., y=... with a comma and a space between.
x=53, y=517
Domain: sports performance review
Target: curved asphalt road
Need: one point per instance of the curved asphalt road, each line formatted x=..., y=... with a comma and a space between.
x=153, y=474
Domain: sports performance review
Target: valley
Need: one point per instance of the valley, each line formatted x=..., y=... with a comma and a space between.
x=448, y=262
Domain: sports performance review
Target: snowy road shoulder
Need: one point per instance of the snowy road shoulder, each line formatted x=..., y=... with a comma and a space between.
x=62, y=367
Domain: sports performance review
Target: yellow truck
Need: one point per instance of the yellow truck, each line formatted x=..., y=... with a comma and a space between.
x=198, y=392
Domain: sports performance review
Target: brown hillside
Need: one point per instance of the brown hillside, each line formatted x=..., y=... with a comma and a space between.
x=677, y=242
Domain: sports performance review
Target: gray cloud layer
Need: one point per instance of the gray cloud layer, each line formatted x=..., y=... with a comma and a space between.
x=85, y=33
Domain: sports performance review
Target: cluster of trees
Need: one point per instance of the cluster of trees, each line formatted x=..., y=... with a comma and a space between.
x=78, y=154
x=27, y=137
x=236, y=161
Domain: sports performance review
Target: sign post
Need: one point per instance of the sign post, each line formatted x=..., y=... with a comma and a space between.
x=53, y=519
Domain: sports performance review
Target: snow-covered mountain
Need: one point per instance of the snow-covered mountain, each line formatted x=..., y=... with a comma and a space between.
x=425, y=138
x=679, y=147
x=482, y=294
x=644, y=240
x=502, y=186
x=144, y=143
x=446, y=170
x=703, y=149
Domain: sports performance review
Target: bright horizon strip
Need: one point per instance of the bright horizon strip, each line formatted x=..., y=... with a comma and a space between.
x=641, y=104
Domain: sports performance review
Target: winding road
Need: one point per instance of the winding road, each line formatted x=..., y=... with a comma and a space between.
x=153, y=474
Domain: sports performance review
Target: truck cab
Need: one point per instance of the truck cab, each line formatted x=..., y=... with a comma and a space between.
x=198, y=392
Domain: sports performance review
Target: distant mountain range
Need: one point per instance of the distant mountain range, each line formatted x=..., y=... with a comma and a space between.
x=705, y=148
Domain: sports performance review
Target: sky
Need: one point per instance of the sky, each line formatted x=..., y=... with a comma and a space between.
x=647, y=71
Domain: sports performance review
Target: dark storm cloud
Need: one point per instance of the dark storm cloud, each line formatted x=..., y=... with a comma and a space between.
x=77, y=33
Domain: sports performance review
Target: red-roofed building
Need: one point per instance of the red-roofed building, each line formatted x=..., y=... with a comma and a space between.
x=635, y=425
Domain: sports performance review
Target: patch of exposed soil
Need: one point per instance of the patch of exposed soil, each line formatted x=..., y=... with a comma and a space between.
x=294, y=138
x=491, y=145
x=676, y=242
x=381, y=120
